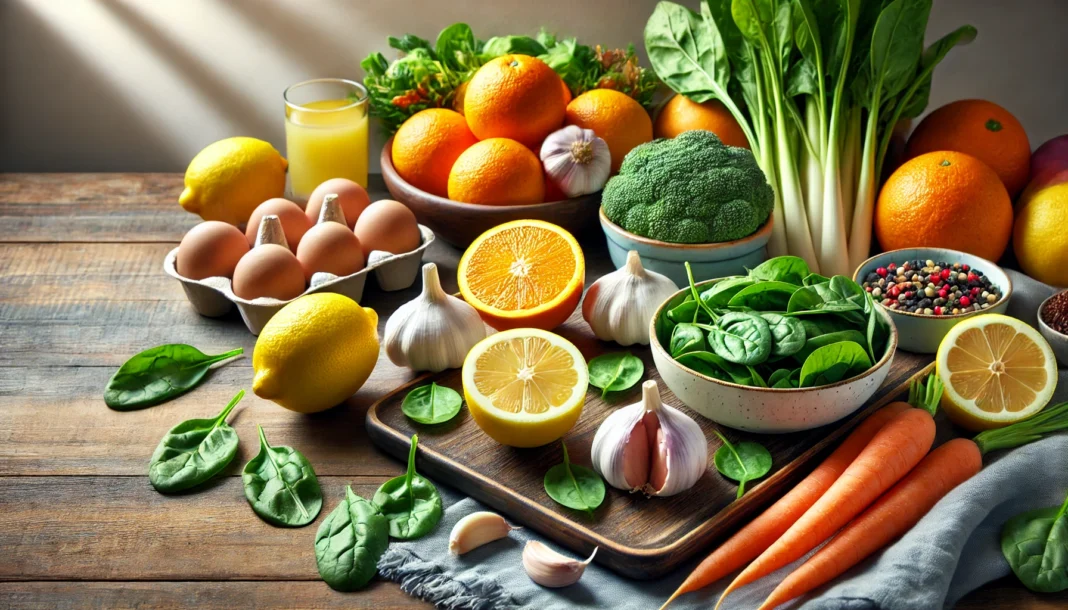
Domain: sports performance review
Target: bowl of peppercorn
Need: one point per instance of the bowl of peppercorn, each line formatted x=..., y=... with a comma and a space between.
x=927, y=291
x=1053, y=324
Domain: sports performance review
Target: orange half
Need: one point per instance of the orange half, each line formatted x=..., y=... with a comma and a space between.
x=524, y=273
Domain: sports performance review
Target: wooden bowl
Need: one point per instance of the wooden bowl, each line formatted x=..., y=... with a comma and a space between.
x=460, y=223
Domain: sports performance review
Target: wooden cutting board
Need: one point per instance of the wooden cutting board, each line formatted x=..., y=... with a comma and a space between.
x=638, y=537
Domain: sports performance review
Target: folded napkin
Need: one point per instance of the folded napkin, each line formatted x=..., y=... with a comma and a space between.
x=954, y=549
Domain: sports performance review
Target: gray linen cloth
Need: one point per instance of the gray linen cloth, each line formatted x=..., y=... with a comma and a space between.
x=952, y=551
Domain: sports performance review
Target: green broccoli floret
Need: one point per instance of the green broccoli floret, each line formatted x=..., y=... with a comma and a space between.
x=691, y=189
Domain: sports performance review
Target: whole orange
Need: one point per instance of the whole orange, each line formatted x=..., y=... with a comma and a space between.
x=983, y=130
x=945, y=199
x=497, y=171
x=514, y=96
x=683, y=114
x=426, y=146
x=615, y=117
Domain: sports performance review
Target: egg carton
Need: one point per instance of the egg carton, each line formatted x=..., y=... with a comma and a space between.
x=214, y=296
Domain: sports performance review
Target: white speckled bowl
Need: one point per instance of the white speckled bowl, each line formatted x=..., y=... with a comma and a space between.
x=766, y=410
x=1057, y=341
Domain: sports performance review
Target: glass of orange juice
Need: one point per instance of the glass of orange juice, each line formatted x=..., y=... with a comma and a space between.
x=326, y=133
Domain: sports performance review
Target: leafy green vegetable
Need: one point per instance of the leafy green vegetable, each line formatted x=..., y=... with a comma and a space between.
x=683, y=312
x=712, y=365
x=349, y=543
x=193, y=452
x=721, y=293
x=764, y=296
x=743, y=462
x=819, y=341
x=410, y=503
x=741, y=337
x=787, y=334
x=833, y=363
x=281, y=485
x=615, y=372
x=432, y=404
x=574, y=486
x=878, y=331
x=1035, y=544
x=686, y=338
x=513, y=45
x=159, y=374
x=789, y=269
x=780, y=379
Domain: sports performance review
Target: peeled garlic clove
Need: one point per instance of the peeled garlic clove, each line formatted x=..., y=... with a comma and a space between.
x=650, y=447
x=620, y=305
x=477, y=529
x=551, y=569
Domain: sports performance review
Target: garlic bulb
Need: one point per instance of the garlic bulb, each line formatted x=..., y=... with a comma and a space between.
x=434, y=331
x=477, y=529
x=619, y=306
x=576, y=160
x=650, y=447
x=551, y=569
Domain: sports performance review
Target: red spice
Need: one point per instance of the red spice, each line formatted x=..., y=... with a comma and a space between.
x=1055, y=313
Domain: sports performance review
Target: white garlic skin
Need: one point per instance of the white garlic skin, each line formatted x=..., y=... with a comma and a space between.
x=619, y=306
x=650, y=447
x=434, y=331
x=477, y=529
x=551, y=569
x=576, y=160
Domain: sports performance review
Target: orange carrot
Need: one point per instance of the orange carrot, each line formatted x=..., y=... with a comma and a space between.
x=891, y=516
x=894, y=450
x=760, y=533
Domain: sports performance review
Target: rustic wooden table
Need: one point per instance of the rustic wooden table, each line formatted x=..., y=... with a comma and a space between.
x=82, y=289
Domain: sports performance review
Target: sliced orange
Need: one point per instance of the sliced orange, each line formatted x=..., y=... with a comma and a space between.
x=997, y=370
x=524, y=273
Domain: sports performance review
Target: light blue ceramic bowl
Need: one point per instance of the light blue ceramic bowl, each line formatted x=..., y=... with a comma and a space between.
x=919, y=333
x=707, y=260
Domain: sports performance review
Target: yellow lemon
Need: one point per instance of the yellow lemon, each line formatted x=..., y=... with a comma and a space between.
x=315, y=352
x=229, y=178
x=1039, y=237
x=997, y=370
x=525, y=387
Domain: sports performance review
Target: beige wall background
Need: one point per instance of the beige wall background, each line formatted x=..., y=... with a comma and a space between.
x=142, y=85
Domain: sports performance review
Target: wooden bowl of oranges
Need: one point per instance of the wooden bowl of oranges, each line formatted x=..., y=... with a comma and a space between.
x=514, y=146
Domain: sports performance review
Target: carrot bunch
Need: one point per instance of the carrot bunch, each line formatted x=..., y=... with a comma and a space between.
x=877, y=485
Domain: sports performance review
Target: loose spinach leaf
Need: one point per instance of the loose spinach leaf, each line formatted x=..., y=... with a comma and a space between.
x=741, y=337
x=616, y=372
x=1035, y=544
x=686, y=338
x=432, y=404
x=833, y=363
x=159, y=374
x=410, y=503
x=349, y=543
x=721, y=293
x=711, y=365
x=788, y=334
x=789, y=269
x=764, y=296
x=281, y=485
x=687, y=54
x=574, y=486
x=193, y=451
x=743, y=462
x=819, y=341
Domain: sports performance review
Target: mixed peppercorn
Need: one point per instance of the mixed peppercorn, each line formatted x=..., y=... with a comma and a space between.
x=1055, y=313
x=932, y=289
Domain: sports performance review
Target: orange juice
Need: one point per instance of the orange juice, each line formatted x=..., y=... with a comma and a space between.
x=325, y=138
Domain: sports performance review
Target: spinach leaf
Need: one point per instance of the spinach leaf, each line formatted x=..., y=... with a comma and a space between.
x=741, y=337
x=512, y=45
x=780, y=379
x=1035, y=544
x=410, y=503
x=788, y=334
x=764, y=296
x=833, y=363
x=711, y=365
x=281, y=485
x=574, y=486
x=721, y=293
x=804, y=299
x=193, y=451
x=789, y=269
x=688, y=53
x=814, y=278
x=457, y=47
x=687, y=338
x=755, y=378
x=683, y=312
x=819, y=341
x=349, y=543
x=616, y=372
x=432, y=404
x=878, y=331
x=743, y=462
x=159, y=374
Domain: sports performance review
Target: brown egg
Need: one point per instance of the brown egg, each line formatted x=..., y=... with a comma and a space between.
x=330, y=247
x=269, y=270
x=294, y=223
x=210, y=249
x=389, y=226
x=352, y=196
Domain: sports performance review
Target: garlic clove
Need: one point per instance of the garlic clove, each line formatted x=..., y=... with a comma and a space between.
x=477, y=529
x=551, y=569
x=619, y=306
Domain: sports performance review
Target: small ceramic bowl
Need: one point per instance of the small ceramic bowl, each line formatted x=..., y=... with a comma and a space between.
x=1057, y=341
x=766, y=410
x=921, y=334
x=707, y=260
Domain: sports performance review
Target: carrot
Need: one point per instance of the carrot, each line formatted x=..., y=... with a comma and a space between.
x=891, y=516
x=760, y=533
x=894, y=450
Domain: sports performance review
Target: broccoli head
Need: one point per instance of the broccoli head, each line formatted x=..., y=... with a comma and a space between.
x=690, y=189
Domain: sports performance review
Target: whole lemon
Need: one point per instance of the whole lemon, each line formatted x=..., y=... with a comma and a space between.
x=315, y=352
x=1039, y=237
x=229, y=178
